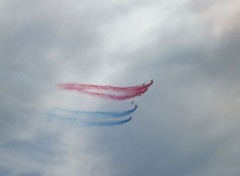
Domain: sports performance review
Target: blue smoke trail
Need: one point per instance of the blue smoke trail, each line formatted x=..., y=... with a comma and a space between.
x=72, y=113
x=107, y=123
x=88, y=123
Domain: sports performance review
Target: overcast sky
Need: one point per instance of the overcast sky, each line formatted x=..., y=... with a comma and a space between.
x=187, y=124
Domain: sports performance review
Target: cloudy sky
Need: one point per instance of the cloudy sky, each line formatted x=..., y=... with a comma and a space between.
x=187, y=124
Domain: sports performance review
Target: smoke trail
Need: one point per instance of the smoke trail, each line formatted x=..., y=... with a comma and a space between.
x=115, y=97
x=78, y=114
x=108, y=123
x=82, y=87
x=92, y=118
x=88, y=123
x=111, y=92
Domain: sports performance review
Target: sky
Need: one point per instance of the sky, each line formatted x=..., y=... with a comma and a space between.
x=186, y=124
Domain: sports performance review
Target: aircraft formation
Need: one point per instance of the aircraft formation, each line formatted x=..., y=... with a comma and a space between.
x=99, y=118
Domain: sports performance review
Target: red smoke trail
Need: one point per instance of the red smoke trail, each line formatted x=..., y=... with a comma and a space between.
x=121, y=93
x=81, y=87
x=73, y=86
x=115, y=97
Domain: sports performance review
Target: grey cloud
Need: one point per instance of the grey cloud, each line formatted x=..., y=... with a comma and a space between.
x=186, y=124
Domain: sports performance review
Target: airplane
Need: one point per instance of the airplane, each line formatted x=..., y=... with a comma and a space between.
x=145, y=82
